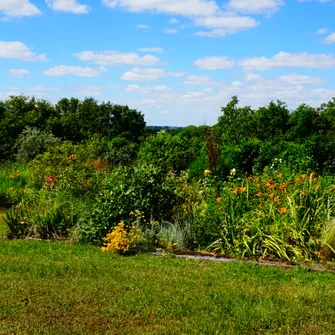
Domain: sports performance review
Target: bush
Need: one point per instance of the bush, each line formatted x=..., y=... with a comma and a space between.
x=142, y=187
x=32, y=142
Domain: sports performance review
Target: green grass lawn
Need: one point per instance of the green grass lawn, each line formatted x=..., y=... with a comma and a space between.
x=54, y=288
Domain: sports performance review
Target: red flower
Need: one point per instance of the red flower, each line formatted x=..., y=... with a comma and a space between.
x=50, y=180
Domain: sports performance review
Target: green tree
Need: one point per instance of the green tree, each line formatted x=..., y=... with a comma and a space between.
x=236, y=123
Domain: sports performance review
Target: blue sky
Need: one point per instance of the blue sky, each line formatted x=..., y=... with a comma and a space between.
x=177, y=61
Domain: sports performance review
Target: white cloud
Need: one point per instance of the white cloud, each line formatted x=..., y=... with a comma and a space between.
x=223, y=25
x=295, y=79
x=93, y=90
x=170, y=31
x=138, y=74
x=330, y=39
x=205, y=13
x=252, y=77
x=115, y=58
x=200, y=80
x=214, y=63
x=18, y=8
x=255, y=6
x=287, y=60
x=321, y=1
x=173, y=7
x=6, y=95
x=322, y=31
x=42, y=91
x=19, y=73
x=78, y=71
x=151, y=49
x=18, y=50
x=148, y=74
x=71, y=6
x=143, y=26
x=173, y=20
x=176, y=74
x=147, y=89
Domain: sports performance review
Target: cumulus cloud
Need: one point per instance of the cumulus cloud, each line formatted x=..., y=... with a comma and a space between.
x=19, y=73
x=71, y=6
x=256, y=7
x=330, y=39
x=173, y=20
x=214, y=63
x=200, y=80
x=115, y=58
x=148, y=74
x=18, y=8
x=322, y=31
x=173, y=7
x=287, y=60
x=295, y=79
x=223, y=25
x=280, y=60
x=147, y=89
x=170, y=31
x=151, y=50
x=18, y=50
x=220, y=20
x=143, y=26
x=78, y=71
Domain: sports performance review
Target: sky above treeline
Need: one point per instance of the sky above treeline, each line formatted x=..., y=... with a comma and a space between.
x=176, y=61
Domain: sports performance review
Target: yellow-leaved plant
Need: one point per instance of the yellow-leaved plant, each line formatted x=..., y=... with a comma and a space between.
x=122, y=239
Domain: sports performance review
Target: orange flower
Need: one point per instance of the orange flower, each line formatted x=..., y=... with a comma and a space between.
x=243, y=189
x=282, y=187
x=258, y=185
x=276, y=199
x=313, y=174
x=280, y=175
x=283, y=210
x=303, y=176
x=298, y=181
x=315, y=180
x=270, y=181
x=12, y=176
x=272, y=195
x=258, y=194
x=303, y=193
x=236, y=191
x=219, y=199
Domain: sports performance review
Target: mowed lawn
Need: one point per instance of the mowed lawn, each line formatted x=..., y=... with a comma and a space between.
x=57, y=288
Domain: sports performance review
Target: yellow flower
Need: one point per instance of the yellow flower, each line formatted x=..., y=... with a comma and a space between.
x=207, y=172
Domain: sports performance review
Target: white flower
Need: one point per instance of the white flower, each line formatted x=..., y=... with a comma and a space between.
x=233, y=172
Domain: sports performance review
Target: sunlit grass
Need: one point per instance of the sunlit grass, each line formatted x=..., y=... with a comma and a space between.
x=52, y=288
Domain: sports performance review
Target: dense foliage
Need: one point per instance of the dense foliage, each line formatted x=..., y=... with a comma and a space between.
x=258, y=183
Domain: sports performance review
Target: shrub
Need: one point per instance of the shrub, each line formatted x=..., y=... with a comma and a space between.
x=32, y=142
x=122, y=239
